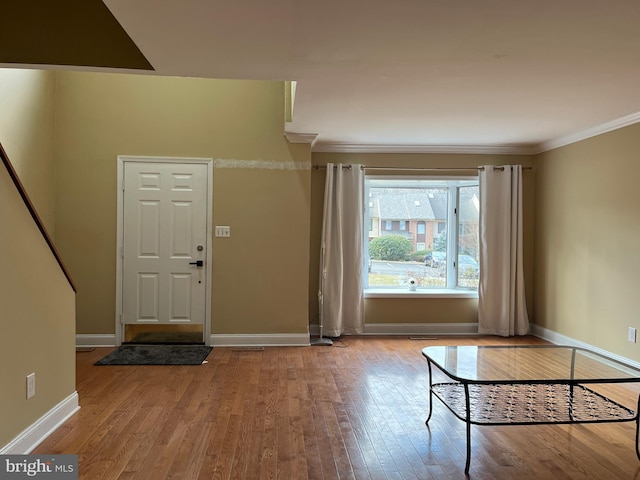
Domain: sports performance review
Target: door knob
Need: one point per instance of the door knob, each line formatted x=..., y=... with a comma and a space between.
x=199, y=263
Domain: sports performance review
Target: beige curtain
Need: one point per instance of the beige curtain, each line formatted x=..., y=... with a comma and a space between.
x=341, y=297
x=502, y=308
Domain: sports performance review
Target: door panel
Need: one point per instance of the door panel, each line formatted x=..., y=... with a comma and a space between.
x=180, y=292
x=165, y=214
x=181, y=229
x=148, y=229
x=148, y=294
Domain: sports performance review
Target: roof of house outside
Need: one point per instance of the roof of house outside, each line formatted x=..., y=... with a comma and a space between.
x=417, y=204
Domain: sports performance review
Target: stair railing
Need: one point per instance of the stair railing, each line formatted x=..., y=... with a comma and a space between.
x=34, y=215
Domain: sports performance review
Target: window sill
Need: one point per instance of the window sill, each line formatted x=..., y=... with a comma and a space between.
x=422, y=293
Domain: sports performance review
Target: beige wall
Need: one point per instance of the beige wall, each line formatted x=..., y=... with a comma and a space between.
x=587, y=240
x=64, y=130
x=37, y=309
x=26, y=133
x=423, y=310
x=259, y=274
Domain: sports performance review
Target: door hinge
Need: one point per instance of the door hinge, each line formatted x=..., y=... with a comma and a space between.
x=122, y=252
x=121, y=319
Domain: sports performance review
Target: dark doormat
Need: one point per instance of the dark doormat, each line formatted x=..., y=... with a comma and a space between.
x=157, y=355
x=183, y=338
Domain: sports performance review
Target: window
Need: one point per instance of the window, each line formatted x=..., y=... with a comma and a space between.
x=443, y=250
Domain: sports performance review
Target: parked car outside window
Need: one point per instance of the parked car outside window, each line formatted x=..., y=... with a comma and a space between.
x=435, y=259
x=467, y=265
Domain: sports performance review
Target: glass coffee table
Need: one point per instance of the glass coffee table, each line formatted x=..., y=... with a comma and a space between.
x=526, y=385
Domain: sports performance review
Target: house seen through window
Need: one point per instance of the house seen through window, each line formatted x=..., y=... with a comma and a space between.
x=423, y=230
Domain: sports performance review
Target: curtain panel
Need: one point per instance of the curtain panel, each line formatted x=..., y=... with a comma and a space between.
x=502, y=307
x=341, y=294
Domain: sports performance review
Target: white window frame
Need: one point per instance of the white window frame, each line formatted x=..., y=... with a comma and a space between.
x=451, y=289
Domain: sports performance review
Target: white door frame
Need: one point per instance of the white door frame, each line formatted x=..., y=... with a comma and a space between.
x=122, y=160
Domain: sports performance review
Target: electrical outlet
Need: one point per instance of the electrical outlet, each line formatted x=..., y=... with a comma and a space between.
x=31, y=385
x=632, y=335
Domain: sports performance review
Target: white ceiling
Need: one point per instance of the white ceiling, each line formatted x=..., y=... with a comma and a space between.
x=412, y=74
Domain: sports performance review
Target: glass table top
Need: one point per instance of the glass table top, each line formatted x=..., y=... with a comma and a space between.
x=524, y=363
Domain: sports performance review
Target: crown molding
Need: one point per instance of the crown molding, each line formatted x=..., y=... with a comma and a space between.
x=293, y=137
x=508, y=149
x=464, y=149
x=590, y=132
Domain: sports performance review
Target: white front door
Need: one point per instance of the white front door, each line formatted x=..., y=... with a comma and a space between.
x=164, y=241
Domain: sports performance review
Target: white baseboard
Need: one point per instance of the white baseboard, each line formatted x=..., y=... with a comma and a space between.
x=217, y=340
x=95, y=340
x=31, y=437
x=412, y=329
x=260, y=340
x=421, y=329
x=559, y=339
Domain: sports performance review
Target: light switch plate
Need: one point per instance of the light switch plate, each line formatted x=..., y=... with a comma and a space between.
x=223, y=231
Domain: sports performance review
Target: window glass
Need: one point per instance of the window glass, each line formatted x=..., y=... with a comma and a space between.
x=408, y=239
x=468, y=270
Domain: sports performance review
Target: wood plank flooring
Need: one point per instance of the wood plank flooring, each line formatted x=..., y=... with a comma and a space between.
x=352, y=411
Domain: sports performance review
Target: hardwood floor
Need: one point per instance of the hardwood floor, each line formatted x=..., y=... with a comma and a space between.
x=355, y=410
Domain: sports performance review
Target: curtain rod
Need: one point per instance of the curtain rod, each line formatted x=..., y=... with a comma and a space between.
x=419, y=169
